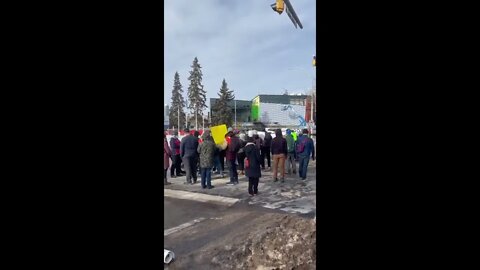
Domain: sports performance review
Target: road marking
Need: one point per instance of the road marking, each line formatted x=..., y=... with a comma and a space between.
x=193, y=196
x=182, y=226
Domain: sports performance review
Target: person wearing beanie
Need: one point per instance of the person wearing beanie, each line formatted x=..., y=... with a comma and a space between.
x=304, y=149
x=252, y=166
x=291, y=165
x=176, y=160
x=279, y=152
x=266, y=148
x=206, y=151
x=231, y=155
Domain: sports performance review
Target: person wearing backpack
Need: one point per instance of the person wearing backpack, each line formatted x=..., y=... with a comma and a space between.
x=232, y=150
x=291, y=164
x=252, y=166
x=304, y=149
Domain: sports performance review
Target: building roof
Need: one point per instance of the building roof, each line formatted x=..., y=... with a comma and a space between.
x=279, y=99
x=240, y=103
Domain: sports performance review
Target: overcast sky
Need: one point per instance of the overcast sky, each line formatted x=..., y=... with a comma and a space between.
x=255, y=49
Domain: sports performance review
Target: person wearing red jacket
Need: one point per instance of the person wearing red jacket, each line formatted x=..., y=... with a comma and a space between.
x=167, y=154
x=233, y=145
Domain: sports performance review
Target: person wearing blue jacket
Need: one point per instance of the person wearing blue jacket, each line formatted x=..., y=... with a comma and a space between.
x=304, y=148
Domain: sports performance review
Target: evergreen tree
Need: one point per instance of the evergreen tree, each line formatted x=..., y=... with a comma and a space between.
x=196, y=95
x=177, y=103
x=221, y=111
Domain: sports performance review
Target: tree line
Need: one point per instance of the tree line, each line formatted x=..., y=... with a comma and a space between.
x=196, y=101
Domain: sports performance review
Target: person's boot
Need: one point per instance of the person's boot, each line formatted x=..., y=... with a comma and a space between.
x=165, y=182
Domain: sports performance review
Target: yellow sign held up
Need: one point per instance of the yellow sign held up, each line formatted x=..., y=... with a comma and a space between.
x=218, y=133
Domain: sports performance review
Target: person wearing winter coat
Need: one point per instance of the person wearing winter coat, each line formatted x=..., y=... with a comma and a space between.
x=279, y=153
x=206, y=151
x=241, y=154
x=266, y=148
x=196, y=134
x=304, y=149
x=176, y=160
x=259, y=144
x=252, y=166
x=188, y=152
x=232, y=150
x=167, y=154
x=291, y=164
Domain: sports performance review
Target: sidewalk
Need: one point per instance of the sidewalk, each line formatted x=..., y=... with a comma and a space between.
x=293, y=196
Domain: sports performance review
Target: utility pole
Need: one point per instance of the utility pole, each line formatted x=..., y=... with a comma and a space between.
x=196, y=117
x=186, y=113
x=178, y=116
x=235, y=101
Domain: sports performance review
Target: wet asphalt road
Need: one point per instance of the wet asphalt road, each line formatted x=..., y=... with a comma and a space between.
x=177, y=212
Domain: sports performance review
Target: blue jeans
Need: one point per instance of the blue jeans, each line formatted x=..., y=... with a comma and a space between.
x=218, y=165
x=206, y=177
x=302, y=166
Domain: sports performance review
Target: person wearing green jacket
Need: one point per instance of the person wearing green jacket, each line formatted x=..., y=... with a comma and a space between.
x=291, y=165
x=294, y=135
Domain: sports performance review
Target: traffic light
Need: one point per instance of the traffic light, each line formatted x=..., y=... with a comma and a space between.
x=278, y=6
x=314, y=61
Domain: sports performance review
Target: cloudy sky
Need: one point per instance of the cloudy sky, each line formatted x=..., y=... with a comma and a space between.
x=255, y=49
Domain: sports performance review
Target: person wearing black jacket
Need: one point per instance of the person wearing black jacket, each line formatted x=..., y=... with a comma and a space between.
x=188, y=152
x=279, y=152
x=266, y=148
x=252, y=166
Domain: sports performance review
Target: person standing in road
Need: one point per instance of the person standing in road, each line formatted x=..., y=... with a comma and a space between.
x=196, y=134
x=266, y=148
x=232, y=150
x=206, y=151
x=176, y=160
x=291, y=164
x=167, y=154
x=252, y=166
x=259, y=144
x=304, y=149
x=279, y=152
x=295, y=137
x=216, y=162
x=188, y=152
x=241, y=154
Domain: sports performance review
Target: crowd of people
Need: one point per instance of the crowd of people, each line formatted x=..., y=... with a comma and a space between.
x=243, y=154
